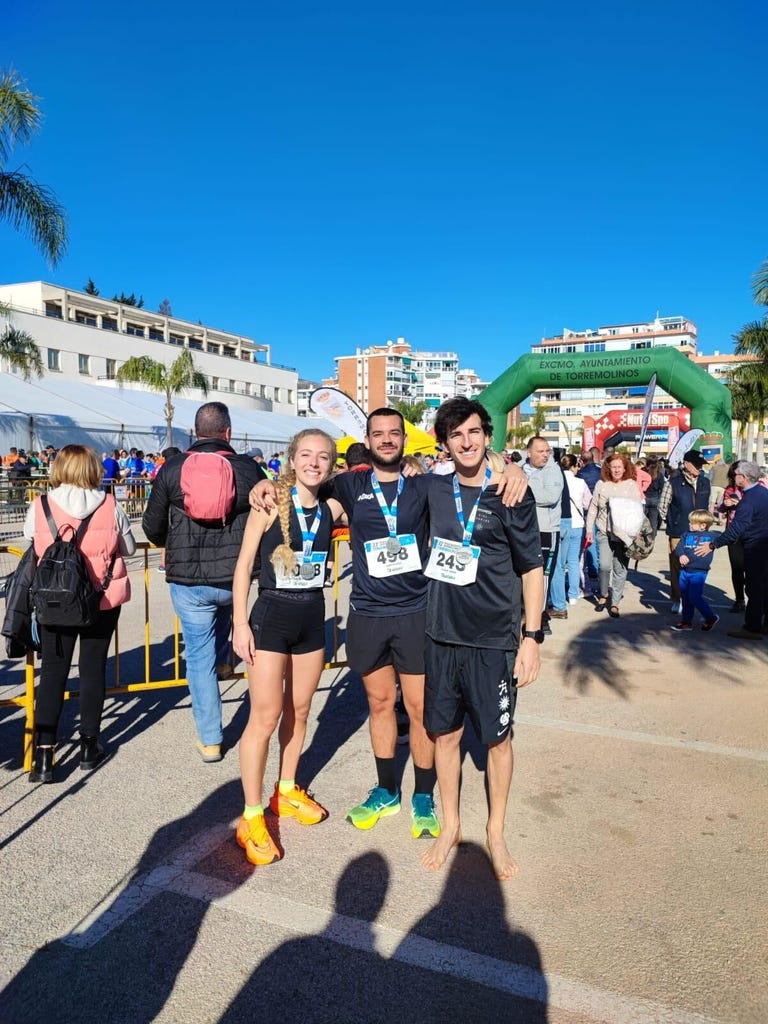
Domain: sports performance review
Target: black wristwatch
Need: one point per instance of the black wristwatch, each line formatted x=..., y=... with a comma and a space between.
x=534, y=634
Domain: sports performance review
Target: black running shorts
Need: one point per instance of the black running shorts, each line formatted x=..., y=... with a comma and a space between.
x=374, y=641
x=289, y=622
x=469, y=680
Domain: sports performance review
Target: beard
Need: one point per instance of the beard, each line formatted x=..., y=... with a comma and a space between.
x=386, y=461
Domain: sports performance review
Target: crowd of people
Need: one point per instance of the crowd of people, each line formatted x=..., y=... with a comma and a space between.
x=457, y=576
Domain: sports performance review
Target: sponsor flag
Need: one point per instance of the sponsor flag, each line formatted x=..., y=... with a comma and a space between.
x=646, y=413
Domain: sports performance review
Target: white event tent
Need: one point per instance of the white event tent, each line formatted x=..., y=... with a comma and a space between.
x=60, y=411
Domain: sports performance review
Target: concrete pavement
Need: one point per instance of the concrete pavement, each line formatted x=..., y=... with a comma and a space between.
x=637, y=817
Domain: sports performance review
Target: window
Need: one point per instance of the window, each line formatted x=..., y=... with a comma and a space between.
x=108, y=324
x=214, y=383
x=84, y=364
x=134, y=329
x=85, y=318
x=176, y=339
x=111, y=369
x=598, y=346
x=640, y=344
x=52, y=309
x=196, y=344
x=54, y=357
x=155, y=335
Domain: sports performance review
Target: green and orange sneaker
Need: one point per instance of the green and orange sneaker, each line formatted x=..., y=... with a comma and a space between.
x=298, y=804
x=260, y=848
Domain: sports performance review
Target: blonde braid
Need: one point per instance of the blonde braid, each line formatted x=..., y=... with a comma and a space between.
x=284, y=557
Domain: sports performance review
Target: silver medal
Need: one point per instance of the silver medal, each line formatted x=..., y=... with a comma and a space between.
x=393, y=545
x=464, y=556
x=307, y=571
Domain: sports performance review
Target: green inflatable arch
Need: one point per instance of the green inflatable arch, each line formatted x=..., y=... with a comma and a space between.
x=708, y=400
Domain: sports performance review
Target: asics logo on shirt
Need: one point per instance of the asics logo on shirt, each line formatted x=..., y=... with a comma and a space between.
x=365, y=497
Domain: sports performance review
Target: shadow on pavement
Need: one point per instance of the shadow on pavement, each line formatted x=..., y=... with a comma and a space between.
x=461, y=961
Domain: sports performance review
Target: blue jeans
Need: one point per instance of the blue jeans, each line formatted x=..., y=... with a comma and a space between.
x=572, y=559
x=692, y=596
x=557, y=585
x=205, y=614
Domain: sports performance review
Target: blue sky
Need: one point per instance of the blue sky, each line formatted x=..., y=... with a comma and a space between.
x=470, y=176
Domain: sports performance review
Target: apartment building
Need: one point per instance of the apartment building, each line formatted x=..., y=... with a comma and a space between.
x=87, y=337
x=382, y=374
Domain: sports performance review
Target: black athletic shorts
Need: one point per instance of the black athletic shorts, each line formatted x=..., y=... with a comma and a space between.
x=289, y=622
x=374, y=641
x=477, y=681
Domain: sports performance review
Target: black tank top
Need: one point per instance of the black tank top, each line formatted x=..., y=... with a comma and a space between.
x=273, y=538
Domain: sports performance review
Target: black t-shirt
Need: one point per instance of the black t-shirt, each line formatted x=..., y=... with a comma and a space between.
x=485, y=613
x=395, y=595
x=273, y=538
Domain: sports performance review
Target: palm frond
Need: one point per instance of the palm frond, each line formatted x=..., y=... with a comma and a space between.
x=34, y=210
x=752, y=339
x=143, y=370
x=760, y=284
x=20, y=115
x=22, y=352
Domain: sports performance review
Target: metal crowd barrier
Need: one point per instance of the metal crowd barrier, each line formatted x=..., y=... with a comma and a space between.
x=27, y=699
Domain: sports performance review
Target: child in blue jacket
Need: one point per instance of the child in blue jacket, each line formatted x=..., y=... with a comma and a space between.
x=693, y=571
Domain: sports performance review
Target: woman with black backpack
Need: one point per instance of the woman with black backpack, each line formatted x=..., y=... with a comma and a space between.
x=76, y=509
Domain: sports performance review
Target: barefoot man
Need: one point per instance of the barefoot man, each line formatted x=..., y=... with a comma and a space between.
x=483, y=555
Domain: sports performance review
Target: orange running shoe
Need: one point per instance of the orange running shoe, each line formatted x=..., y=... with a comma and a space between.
x=260, y=848
x=297, y=804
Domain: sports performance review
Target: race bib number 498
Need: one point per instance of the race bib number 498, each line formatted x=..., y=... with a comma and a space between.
x=382, y=562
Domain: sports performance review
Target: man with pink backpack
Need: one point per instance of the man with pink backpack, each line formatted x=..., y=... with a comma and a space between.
x=197, y=510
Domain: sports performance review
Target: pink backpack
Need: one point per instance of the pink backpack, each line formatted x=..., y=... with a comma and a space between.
x=208, y=486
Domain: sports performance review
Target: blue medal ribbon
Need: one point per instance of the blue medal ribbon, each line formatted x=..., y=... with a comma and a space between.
x=389, y=513
x=469, y=528
x=307, y=536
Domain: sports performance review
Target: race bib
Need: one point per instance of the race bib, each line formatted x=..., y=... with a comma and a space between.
x=382, y=560
x=450, y=561
x=300, y=579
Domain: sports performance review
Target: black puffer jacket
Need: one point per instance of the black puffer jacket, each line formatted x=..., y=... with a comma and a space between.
x=197, y=553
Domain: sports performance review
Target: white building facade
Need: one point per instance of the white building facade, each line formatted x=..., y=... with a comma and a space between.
x=86, y=337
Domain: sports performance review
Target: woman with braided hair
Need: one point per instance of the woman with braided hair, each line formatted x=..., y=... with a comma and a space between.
x=283, y=641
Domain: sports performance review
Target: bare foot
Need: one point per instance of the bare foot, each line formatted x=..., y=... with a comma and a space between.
x=436, y=854
x=504, y=866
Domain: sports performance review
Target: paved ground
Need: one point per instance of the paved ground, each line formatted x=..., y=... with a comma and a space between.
x=638, y=819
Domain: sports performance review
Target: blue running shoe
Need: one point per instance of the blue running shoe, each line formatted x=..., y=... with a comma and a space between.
x=380, y=803
x=423, y=818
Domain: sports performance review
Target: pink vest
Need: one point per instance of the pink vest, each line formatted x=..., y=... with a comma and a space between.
x=100, y=540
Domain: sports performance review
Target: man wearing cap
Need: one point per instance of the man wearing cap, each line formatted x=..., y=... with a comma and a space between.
x=686, y=490
x=258, y=457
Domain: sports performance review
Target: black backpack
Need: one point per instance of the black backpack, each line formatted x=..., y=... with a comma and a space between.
x=63, y=593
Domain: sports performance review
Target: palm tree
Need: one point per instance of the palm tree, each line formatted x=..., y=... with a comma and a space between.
x=19, y=350
x=26, y=205
x=411, y=411
x=750, y=384
x=740, y=402
x=752, y=340
x=171, y=380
